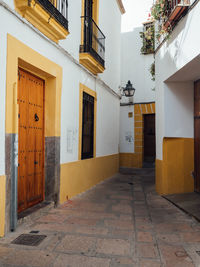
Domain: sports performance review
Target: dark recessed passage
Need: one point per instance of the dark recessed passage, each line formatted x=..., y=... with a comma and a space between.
x=29, y=240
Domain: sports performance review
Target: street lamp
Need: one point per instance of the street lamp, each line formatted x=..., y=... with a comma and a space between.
x=128, y=91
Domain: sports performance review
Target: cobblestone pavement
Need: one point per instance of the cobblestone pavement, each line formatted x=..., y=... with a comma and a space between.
x=120, y=222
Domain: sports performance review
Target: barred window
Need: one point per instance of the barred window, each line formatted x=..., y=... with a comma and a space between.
x=88, y=127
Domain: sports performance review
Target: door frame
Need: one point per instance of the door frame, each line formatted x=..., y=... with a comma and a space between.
x=196, y=183
x=43, y=137
x=20, y=55
x=140, y=109
x=146, y=116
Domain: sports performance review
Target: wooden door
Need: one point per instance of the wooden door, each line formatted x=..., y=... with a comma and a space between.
x=149, y=138
x=31, y=140
x=197, y=135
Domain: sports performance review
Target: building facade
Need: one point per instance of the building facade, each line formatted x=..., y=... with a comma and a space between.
x=137, y=114
x=177, y=102
x=60, y=72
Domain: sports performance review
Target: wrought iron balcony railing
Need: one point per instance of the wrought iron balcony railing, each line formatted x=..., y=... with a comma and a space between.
x=58, y=9
x=175, y=9
x=93, y=40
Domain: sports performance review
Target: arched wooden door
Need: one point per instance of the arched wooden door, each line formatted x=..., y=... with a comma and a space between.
x=197, y=135
x=31, y=140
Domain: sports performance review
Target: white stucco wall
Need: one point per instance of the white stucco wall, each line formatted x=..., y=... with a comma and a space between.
x=135, y=66
x=107, y=123
x=177, y=67
x=126, y=130
x=110, y=24
x=3, y=48
x=179, y=120
x=107, y=103
x=112, y=31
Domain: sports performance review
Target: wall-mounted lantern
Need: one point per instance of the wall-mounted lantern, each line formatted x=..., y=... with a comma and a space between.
x=128, y=91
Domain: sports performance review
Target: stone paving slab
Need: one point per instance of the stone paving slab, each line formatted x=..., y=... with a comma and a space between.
x=121, y=222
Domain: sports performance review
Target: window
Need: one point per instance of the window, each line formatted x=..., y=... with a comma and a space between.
x=87, y=127
x=92, y=48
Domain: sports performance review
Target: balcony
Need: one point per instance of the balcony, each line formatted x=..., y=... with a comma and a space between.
x=49, y=16
x=92, y=49
x=175, y=9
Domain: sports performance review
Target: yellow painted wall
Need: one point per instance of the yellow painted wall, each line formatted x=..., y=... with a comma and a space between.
x=20, y=55
x=2, y=204
x=139, y=111
x=135, y=160
x=130, y=160
x=77, y=177
x=173, y=173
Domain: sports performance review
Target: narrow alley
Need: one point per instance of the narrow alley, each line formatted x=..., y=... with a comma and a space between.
x=120, y=222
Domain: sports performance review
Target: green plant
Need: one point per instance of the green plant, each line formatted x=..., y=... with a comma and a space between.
x=158, y=13
x=148, y=38
x=152, y=71
x=158, y=9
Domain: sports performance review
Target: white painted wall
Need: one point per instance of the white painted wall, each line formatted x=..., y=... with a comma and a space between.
x=107, y=103
x=3, y=48
x=177, y=67
x=135, y=66
x=112, y=31
x=178, y=110
x=109, y=14
x=107, y=123
x=126, y=130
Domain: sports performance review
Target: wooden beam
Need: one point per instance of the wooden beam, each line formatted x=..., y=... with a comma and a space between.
x=121, y=6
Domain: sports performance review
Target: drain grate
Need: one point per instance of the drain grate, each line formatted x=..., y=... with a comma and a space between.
x=29, y=240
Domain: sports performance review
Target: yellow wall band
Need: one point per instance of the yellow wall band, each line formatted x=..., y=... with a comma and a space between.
x=2, y=204
x=77, y=177
x=130, y=160
x=173, y=173
x=20, y=55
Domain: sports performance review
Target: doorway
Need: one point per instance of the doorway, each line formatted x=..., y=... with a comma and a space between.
x=149, y=138
x=197, y=136
x=31, y=140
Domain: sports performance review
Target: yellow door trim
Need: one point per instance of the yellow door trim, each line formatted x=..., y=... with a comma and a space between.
x=20, y=55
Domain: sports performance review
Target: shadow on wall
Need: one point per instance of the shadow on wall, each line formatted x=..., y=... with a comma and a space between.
x=175, y=53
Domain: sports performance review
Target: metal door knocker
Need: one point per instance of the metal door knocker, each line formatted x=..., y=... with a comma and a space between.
x=36, y=117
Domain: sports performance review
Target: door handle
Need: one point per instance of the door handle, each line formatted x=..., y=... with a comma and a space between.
x=36, y=117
